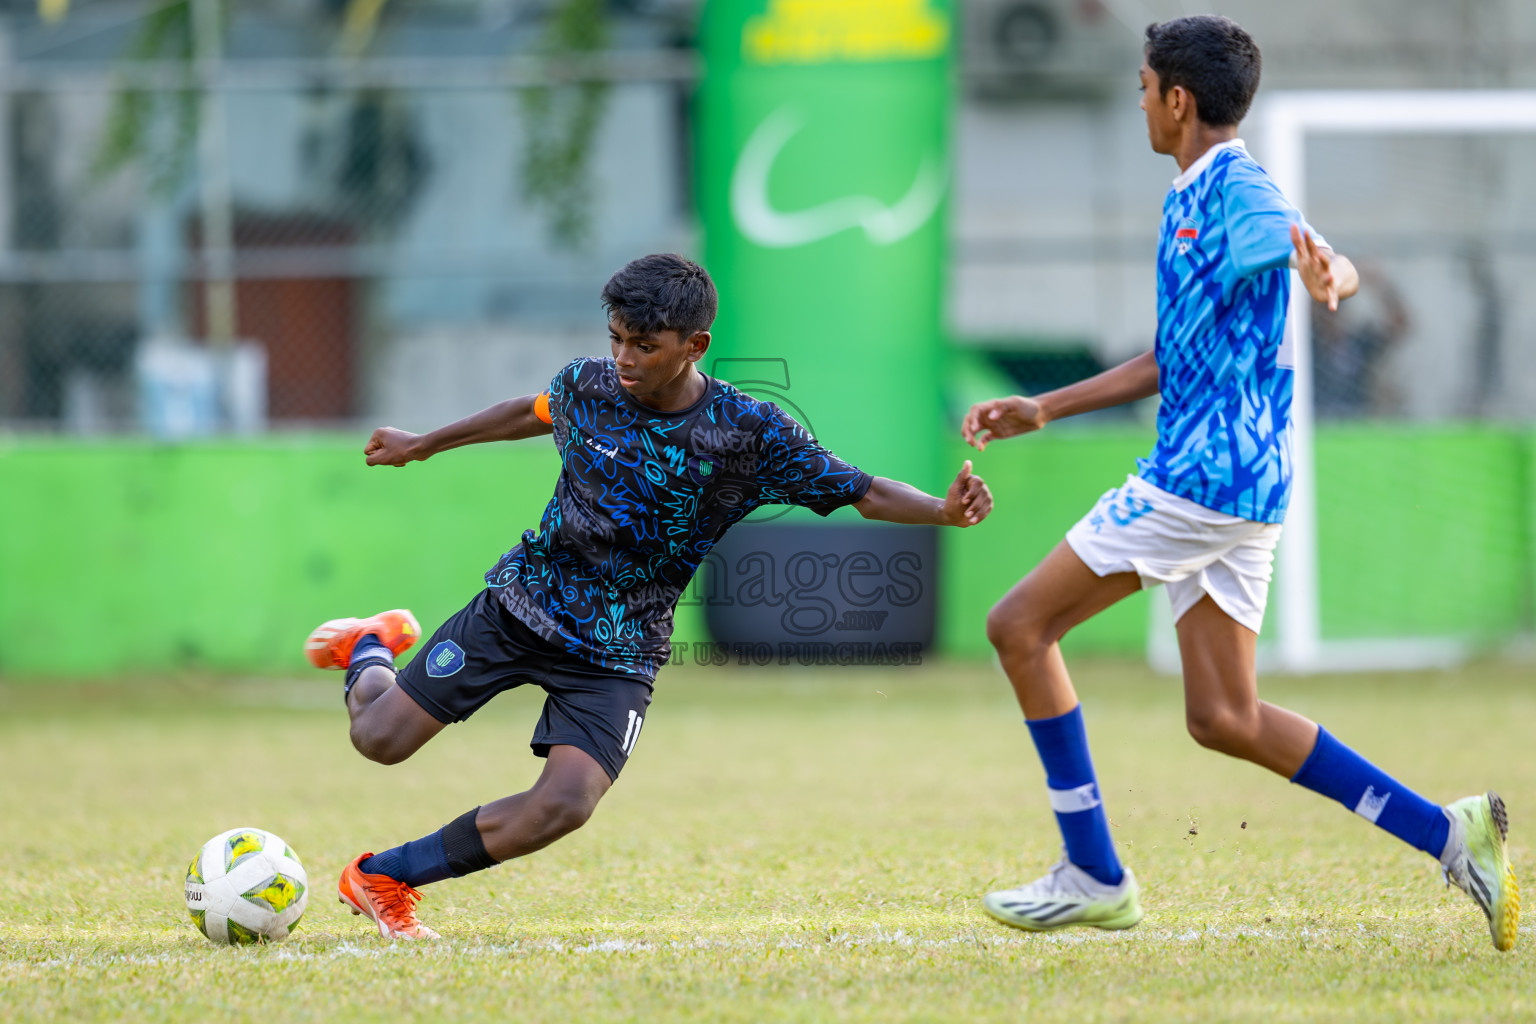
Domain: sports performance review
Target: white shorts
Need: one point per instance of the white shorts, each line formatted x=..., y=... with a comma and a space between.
x=1194, y=551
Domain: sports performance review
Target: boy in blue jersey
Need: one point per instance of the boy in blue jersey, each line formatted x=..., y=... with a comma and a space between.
x=658, y=461
x=1202, y=514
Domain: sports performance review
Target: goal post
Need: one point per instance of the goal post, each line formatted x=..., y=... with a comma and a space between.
x=1286, y=122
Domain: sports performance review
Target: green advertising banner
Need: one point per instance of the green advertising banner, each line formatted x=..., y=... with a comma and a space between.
x=823, y=174
x=823, y=163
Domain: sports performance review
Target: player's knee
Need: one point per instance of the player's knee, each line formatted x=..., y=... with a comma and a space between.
x=997, y=627
x=1012, y=631
x=561, y=812
x=1222, y=728
x=377, y=748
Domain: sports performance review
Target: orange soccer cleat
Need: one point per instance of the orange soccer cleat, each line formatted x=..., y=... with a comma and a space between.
x=330, y=645
x=391, y=904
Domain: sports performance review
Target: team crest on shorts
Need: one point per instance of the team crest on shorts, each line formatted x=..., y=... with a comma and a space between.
x=445, y=659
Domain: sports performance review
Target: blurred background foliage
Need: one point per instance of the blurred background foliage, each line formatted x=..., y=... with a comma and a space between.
x=157, y=130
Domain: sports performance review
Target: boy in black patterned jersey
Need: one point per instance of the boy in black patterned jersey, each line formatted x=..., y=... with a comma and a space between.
x=658, y=461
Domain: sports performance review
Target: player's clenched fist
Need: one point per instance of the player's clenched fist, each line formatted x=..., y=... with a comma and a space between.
x=999, y=418
x=391, y=447
x=969, y=500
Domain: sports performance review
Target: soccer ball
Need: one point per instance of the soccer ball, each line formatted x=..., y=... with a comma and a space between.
x=246, y=885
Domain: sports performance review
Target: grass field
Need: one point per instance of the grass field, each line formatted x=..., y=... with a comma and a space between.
x=783, y=846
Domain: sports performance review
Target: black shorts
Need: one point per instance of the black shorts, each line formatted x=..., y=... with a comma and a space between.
x=485, y=649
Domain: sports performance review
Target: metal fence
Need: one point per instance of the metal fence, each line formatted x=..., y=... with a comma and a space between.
x=297, y=240
x=257, y=242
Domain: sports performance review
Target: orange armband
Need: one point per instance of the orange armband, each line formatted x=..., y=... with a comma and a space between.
x=541, y=407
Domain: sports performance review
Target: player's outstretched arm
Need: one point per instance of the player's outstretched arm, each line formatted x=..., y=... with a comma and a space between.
x=998, y=418
x=1328, y=277
x=511, y=420
x=968, y=502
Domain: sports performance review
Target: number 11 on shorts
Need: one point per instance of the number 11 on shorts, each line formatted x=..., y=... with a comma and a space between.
x=632, y=733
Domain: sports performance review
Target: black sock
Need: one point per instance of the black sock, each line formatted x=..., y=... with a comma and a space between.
x=463, y=846
x=455, y=849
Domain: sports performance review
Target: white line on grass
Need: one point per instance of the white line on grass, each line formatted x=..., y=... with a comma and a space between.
x=348, y=949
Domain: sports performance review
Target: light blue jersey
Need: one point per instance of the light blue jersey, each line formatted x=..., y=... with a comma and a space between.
x=1223, y=285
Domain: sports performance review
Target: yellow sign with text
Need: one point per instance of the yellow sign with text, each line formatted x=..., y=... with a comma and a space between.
x=837, y=31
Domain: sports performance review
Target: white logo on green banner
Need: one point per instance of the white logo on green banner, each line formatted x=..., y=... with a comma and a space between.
x=823, y=178
x=758, y=221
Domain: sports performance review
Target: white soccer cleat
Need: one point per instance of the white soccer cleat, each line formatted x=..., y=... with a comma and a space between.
x=1476, y=861
x=1067, y=895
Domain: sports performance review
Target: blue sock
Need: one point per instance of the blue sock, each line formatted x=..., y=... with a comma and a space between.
x=1335, y=771
x=416, y=863
x=1063, y=745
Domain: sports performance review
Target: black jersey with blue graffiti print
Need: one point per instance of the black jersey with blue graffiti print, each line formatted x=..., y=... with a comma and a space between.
x=642, y=497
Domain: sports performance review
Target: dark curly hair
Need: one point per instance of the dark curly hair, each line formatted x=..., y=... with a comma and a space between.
x=1210, y=56
x=662, y=292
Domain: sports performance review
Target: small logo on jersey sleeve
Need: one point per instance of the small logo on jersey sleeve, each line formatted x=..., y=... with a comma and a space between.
x=1186, y=235
x=445, y=659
